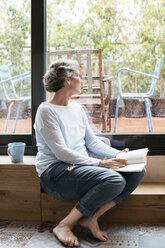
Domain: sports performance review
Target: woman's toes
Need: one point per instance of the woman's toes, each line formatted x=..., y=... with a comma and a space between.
x=76, y=243
x=103, y=238
x=65, y=235
x=70, y=242
x=105, y=235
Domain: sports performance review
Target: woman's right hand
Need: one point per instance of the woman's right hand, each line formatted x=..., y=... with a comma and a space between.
x=114, y=163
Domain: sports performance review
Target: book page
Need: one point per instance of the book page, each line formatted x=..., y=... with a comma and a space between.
x=135, y=156
x=132, y=168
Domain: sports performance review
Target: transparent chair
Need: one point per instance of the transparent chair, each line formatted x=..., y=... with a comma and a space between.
x=154, y=79
x=6, y=82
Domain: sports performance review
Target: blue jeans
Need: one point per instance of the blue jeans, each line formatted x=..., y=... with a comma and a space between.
x=93, y=186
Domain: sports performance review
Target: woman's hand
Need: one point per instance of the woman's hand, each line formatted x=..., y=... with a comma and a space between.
x=113, y=164
x=125, y=150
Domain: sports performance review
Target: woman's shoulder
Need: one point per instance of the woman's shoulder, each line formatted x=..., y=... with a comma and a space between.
x=79, y=107
x=46, y=113
x=45, y=109
x=43, y=106
x=75, y=104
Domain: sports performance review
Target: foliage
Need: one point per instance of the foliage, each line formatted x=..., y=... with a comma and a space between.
x=14, y=39
x=151, y=36
x=131, y=35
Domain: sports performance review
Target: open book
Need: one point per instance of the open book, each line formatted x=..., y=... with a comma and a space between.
x=136, y=160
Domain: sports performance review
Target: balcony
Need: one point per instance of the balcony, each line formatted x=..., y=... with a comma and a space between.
x=125, y=125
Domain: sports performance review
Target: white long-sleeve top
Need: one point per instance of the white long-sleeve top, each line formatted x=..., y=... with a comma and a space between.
x=64, y=134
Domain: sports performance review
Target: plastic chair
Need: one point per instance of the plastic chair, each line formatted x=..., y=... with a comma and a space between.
x=6, y=78
x=154, y=79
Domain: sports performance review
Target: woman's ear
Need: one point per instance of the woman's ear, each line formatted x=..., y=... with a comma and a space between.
x=67, y=80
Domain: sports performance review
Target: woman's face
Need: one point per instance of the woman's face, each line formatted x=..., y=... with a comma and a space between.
x=76, y=82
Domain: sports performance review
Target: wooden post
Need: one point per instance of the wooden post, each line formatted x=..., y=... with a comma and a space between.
x=68, y=56
x=79, y=58
x=101, y=90
x=107, y=102
x=89, y=71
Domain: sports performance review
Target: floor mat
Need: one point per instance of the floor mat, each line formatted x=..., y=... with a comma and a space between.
x=14, y=239
x=148, y=241
x=39, y=235
x=116, y=241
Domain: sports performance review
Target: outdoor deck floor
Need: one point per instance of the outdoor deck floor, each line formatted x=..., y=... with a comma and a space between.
x=124, y=125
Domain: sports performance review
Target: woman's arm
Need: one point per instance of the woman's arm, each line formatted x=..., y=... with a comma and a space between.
x=94, y=144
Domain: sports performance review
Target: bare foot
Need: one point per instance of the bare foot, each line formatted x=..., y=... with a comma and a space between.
x=65, y=235
x=93, y=226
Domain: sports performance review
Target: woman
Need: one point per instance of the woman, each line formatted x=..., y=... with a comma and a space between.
x=66, y=171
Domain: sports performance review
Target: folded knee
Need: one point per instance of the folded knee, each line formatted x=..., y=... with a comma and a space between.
x=121, y=183
x=144, y=172
x=141, y=174
x=118, y=182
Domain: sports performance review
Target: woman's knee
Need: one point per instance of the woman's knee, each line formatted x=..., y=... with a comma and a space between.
x=141, y=174
x=122, y=183
x=119, y=182
x=144, y=172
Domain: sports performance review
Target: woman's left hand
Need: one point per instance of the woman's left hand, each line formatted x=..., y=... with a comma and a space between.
x=125, y=150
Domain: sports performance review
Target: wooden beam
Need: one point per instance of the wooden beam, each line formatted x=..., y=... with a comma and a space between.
x=19, y=192
x=145, y=204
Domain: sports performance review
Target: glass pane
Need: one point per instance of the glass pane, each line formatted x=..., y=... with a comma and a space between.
x=15, y=67
x=129, y=38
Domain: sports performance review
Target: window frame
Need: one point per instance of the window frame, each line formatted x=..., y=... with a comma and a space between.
x=155, y=141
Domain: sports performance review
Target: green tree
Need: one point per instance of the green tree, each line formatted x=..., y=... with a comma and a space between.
x=151, y=36
x=14, y=39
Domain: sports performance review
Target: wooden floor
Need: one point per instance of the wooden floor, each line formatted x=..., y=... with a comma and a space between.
x=124, y=125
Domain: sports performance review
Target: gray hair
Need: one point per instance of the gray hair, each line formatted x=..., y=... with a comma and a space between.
x=54, y=78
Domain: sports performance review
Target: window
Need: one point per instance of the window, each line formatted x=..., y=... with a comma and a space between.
x=123, y=30
x=34, y=60
x=15, y=67
x=127, y=41
x=56, y=31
